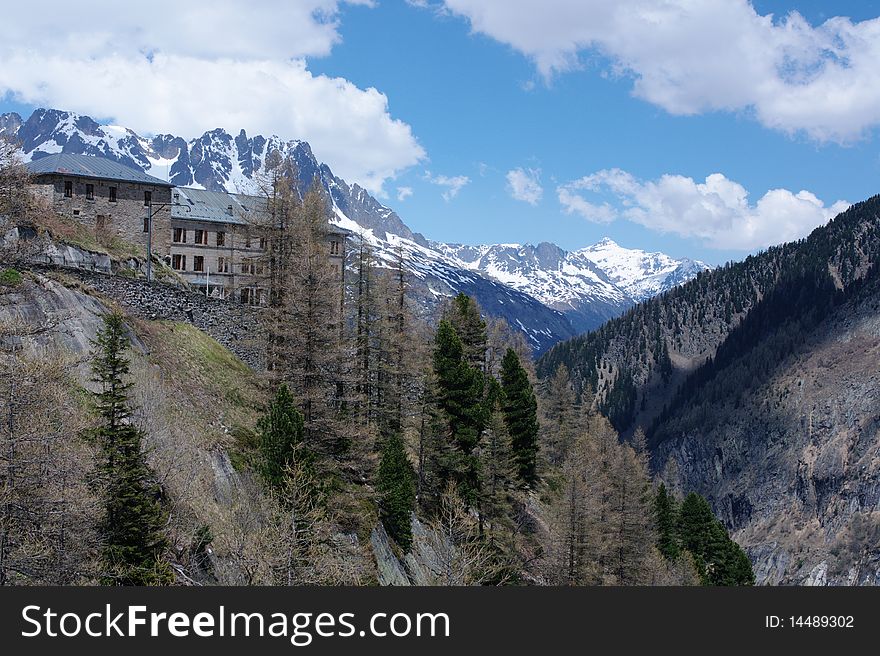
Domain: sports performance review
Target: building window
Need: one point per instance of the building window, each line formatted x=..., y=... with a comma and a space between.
x=90, y=192
x=201, y=237
x=334, y=247
x=262, y=243
x=178, y=262
x=221, y=238
x=112, y=194
x=198, y=263
x=68, y=189
x=148, y=198
x=248, y=266
x=260, y=297
x=245, y=295
x=247, y=241
x=146, y=224
x=222, y=265
x=179, y=236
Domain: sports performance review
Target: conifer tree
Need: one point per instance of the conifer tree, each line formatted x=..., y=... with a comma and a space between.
x=630, y=524
x=666, y=519
x=497, y=465
x=405, y=352
x=367, y=325
x=521, y=416
x=460, y=388
x=459, y=396
x=281, y=433
x=719, y=560
x=131, y=526
x=464, y=315
x=396, y=486
x=560, y=416
x=314, y=349
x=570, y=557
x=276, y=186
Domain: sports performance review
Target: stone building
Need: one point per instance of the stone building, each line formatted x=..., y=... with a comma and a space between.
x=211, y=239
x=217, y=244
x=109, y=198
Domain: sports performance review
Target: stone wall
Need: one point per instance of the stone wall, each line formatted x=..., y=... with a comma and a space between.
x=234, y=325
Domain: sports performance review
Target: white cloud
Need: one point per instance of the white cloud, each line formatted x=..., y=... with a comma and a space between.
x=452, y=184
x=403, y=193
x=716, y=211
x=525, y=185
x=194, y=69
x=691, y=57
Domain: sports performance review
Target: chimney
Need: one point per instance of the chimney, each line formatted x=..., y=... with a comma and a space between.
x=229, y=210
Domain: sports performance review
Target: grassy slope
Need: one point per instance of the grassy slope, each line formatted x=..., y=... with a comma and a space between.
x=203, y=373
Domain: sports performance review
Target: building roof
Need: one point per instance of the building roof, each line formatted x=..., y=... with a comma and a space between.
x=88, y=166
x=215, y=206
x=193, y=204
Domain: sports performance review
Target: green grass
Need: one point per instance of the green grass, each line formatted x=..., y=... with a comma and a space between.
x=205, y=375
x=10, y=278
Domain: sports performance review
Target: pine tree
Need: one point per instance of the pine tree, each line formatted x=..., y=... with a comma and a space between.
x=521, y=416
x=460, y=388
x=719, y=560
x=570, y=550
x=367, y=326
x=281, y=433
x=131, y=527
x=397, y=494
x=464, y=315
x=666, y=519
x=459, y=397
x=405, y=351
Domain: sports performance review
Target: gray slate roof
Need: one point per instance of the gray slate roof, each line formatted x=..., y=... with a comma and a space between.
x=222, y=207
x=202, y=205
x=88, y=166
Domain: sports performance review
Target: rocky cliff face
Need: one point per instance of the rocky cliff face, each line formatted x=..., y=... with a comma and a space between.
x=188, y=393
x=758, y=385
x=794, y=471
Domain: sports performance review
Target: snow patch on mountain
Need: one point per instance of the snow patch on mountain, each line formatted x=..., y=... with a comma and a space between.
x=639, y=273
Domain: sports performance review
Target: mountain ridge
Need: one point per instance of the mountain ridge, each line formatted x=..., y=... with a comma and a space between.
x=757, y=384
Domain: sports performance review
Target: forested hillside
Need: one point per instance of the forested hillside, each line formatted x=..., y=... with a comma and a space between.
x=743, y=395
x=364, y=447
x=635, y=362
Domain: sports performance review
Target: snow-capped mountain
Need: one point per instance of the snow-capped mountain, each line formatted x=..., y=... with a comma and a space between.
x=215, y=161
x=568, y=282
x=547, y=293
x=638, y=273
x=590, y=285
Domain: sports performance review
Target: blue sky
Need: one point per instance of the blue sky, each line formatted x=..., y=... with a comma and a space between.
x=468, y=94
